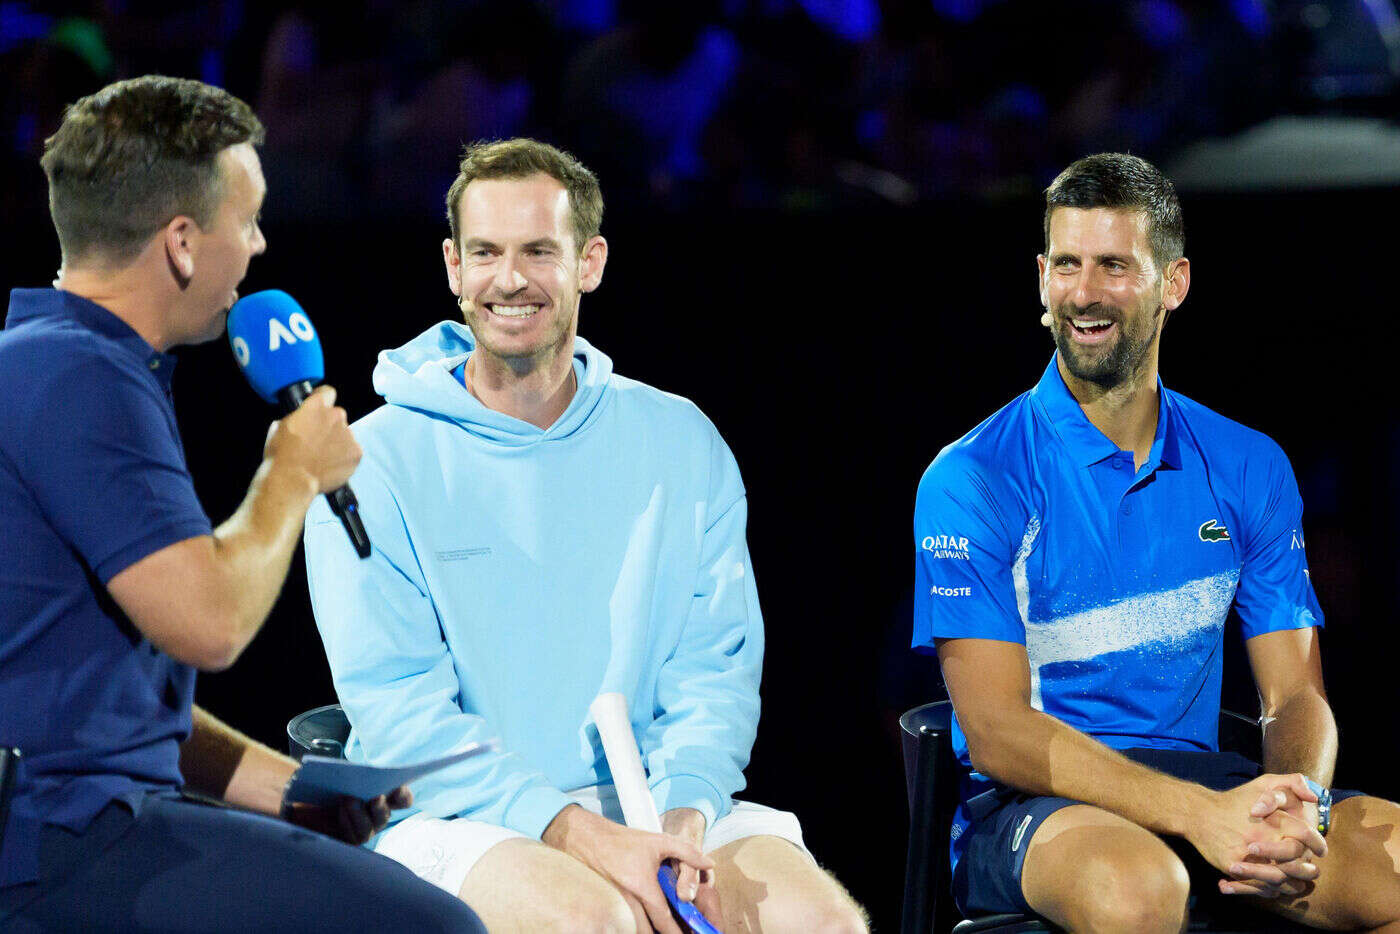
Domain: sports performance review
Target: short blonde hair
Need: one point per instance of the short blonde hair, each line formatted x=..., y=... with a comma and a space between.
x=521, y=158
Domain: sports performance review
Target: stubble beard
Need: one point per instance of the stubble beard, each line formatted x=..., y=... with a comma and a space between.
x=521, y=362
x=1119, y=364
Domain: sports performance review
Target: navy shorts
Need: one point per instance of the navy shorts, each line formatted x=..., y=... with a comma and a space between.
x=987, y=879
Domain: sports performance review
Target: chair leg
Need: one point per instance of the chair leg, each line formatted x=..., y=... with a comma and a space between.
x=9, y=768
x=921, y=900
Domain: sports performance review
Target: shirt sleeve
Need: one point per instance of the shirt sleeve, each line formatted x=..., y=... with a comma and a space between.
x=696, y=747
x=394, y=673
x=963, y=585
x=104, y=461
x=1275, y=589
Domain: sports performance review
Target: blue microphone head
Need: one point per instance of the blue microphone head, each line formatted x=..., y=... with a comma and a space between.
x=274, y=342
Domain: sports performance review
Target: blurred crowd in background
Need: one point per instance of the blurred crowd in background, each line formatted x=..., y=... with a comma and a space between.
x=801, y=115
x=786, y=105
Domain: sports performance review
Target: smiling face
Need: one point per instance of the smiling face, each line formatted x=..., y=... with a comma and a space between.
x=517, y=271
x=1106, y=297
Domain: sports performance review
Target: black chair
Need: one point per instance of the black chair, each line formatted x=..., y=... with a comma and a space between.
x=931, y=776
x=9, y=768
x=320, y=731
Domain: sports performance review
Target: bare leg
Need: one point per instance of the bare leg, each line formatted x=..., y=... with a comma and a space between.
x=765, y=884
x=1359, y=883
x=523, y=886
x=1090, y=870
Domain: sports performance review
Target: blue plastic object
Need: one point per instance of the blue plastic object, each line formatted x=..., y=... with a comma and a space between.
x=685, y=912
x=274, y=342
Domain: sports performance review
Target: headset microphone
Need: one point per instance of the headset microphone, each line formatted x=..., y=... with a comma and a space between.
x=280, y=355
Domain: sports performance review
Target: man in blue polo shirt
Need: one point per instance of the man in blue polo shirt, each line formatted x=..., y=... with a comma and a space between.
x=114, y=586
x=1079, y=553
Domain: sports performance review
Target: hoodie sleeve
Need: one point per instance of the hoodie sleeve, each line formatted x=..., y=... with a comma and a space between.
x=696, y=747
x=395, y=676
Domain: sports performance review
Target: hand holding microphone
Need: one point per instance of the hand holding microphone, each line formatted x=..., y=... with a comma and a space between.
x=280, y=355
x=316, y=438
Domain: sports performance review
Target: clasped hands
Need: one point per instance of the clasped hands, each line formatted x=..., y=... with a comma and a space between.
x=1263, y=835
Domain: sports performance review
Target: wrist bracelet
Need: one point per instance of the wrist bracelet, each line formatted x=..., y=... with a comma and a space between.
x=1324, y=805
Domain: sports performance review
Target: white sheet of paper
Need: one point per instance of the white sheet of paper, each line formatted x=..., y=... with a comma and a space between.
x=322, y=779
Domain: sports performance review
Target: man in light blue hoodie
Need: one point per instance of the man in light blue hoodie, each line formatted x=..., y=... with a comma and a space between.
x=546, y=531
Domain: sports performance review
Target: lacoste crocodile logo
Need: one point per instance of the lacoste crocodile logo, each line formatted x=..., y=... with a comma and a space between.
x=1210, y=532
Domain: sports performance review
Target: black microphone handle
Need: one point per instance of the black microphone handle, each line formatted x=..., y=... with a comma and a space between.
x=291, y=397
x=342, y=500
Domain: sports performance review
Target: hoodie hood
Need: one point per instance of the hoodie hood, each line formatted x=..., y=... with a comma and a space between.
x=419, y=375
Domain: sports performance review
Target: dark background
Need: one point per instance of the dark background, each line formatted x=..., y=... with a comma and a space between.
x=837, y=357
x=839, y=343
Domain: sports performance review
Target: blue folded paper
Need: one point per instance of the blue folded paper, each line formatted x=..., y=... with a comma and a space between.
x=322, y=779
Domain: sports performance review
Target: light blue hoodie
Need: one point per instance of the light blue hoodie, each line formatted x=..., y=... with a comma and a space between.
x=518, y=572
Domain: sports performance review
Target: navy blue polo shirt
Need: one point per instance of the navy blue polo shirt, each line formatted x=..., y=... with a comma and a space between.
x=1035, y=528
x=92, y=480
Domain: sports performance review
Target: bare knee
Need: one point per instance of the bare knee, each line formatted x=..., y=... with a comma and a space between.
x=599, y=911
x=522, y=885
x=608, y=914
x=823, y=909
x=1148, y=892
x=839, y=919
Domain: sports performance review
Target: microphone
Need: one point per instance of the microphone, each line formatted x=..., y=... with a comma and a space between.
x=280, y=355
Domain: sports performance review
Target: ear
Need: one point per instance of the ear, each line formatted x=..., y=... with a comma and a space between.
x=1040, y=266
x=180, y=246
x=1176, y=283
x=452, y=261
x=590, y=267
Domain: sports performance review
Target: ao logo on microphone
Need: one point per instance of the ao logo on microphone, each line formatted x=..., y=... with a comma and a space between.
x=298, y=327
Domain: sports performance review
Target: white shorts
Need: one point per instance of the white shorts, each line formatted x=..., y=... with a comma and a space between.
x=443, y=851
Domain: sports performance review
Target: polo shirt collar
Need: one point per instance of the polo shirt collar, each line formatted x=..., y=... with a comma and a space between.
x=1088, y=445
x=1165, y=446
x=27, y=304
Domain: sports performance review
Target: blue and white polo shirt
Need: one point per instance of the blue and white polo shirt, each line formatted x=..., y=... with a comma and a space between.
x=1034, y=528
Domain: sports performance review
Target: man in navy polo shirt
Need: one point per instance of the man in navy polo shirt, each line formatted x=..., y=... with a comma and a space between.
x=114, y=587
x=1078, y=555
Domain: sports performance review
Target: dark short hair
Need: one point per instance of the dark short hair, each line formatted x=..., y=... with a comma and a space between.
x=521, y=158
x=134, y=155
x=1117, y=180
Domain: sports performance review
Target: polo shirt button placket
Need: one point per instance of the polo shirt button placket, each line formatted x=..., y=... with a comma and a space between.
x=154, y=365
